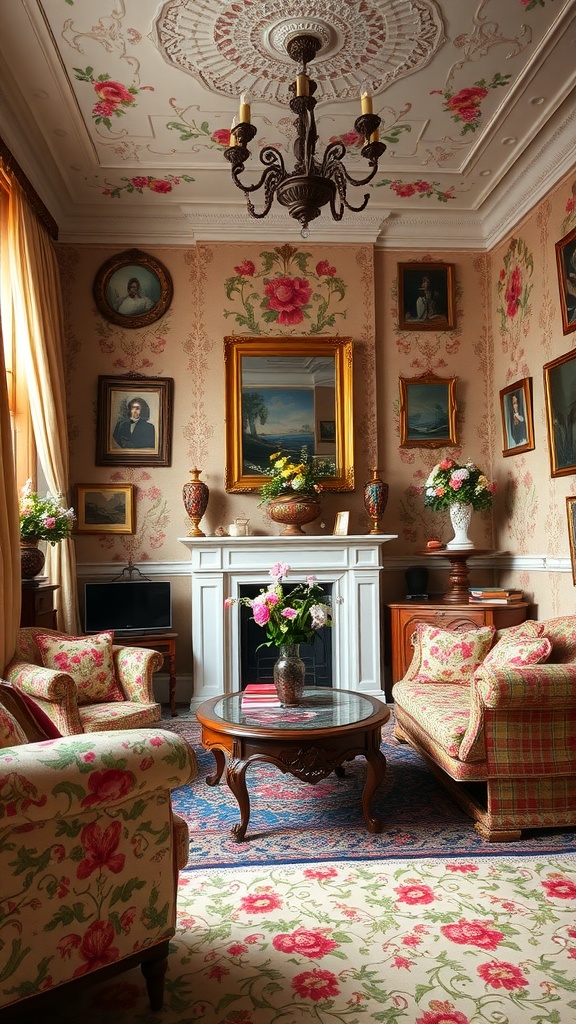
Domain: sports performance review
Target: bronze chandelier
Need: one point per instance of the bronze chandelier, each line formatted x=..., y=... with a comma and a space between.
x=312, y=184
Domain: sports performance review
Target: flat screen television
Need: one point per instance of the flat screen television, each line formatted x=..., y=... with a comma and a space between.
x=128, y=606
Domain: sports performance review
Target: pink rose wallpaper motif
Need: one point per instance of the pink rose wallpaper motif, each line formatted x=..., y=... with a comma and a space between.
x=464, y=106
x=286, y=291
x=421, y=187
x=140, y=182
x=514, y=285
x=113, y=98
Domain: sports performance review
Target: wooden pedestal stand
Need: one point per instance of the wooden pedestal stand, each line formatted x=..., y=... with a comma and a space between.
x=459, y=578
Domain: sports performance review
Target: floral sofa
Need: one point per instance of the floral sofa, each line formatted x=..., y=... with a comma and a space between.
x=86, y=684
x=494, y=716
x=89, y=857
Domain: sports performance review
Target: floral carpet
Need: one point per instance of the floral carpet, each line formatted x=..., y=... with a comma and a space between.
x=295, y=822
x=457, y=941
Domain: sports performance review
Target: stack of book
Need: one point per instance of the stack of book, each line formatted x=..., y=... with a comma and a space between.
x=260, y=695
x=494, y=595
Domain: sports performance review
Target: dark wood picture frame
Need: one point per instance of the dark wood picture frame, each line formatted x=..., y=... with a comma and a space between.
x=560, y=397
x=149, y=443
x=427, y=411
x=571, y=512
x=105, y=508
x=566, y=264
x=132, y=289
x=426, y=297
x=517, y=417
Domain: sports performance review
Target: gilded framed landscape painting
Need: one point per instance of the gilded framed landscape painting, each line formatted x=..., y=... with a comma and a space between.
x=427, y=411
x=105, y=508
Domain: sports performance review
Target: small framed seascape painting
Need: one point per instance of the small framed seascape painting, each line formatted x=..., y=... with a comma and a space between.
x=517, y=420
x=426, y=297
x=105, y=508
x=427, y=411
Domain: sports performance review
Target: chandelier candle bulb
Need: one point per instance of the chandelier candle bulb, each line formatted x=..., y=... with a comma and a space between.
x=366, y=101
x=302, y=85
x=375, y=137
x=244, y=112
x=233, y=139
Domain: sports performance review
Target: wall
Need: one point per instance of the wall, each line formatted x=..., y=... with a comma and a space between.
x=350, y=290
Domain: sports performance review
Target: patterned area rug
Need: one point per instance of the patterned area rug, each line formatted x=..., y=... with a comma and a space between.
x=294, y=822
x=400, y=941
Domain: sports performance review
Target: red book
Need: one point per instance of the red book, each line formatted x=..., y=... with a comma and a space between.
x=260, y=695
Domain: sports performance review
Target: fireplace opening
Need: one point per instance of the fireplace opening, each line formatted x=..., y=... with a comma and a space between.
x=258, y=666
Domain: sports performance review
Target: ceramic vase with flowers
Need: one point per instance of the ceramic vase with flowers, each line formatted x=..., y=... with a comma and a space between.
x=461, y=489
x=291, y=494
x=40, y=519
x=290, y=619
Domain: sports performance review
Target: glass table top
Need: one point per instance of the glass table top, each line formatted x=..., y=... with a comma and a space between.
x=319, y=708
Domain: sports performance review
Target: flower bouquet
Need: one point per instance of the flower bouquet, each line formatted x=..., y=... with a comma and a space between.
x=295, y=478
x=288, y=618
x=43, y=518
x=451, y=484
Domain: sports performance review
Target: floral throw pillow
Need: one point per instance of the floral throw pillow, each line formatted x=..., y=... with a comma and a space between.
x=513, y=652
x=449, y=656
x=11, y=733
x=90, y=662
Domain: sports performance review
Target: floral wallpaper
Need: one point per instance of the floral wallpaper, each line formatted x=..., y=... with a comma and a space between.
x=508, y=325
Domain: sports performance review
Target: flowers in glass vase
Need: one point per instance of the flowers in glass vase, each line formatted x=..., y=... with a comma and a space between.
x=450, y=484
x=291, y=618
x=295, y=478
x=43, y=518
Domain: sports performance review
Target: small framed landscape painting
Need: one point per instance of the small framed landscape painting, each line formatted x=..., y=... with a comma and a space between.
x=426, y=297
x=427, y=411
x=560, y=396
x=566, y=262
x=105, y=508
x=517, y=420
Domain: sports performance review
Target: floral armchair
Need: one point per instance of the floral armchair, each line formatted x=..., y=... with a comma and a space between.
x=86, y=684
x=89, y=857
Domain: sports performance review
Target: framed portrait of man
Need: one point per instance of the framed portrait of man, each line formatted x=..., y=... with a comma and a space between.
x=134, y=423
x=132, y=289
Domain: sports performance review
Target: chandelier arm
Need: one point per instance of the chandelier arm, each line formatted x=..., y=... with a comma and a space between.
x=340, y=177
x=332, y=165
x=269, y=155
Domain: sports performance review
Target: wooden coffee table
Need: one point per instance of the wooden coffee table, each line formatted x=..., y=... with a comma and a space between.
x=309, y=742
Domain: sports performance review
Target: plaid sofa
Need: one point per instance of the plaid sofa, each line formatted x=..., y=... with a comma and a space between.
x=504, y=741
x=90, y=851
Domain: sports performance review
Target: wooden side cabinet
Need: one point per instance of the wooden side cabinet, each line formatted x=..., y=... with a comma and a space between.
x=405, y=616
x=38, y=606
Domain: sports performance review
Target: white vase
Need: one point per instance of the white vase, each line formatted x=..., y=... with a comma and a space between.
x=460, y=516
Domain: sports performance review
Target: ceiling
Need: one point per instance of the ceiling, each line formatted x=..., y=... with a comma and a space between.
x=119, y=112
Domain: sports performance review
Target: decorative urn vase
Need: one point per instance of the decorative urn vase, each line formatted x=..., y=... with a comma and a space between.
x=460, y=516
x=289, y=672
x=195, y=494
x=375, y=498
x=293, y=512
x=31, y=558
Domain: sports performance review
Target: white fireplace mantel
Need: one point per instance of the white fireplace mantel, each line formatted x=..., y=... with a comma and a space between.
x=220, y=566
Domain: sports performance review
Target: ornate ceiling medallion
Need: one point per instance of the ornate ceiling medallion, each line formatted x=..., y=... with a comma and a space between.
x=241, y=46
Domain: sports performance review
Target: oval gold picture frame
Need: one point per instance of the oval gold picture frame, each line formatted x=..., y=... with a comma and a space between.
x=132, y=289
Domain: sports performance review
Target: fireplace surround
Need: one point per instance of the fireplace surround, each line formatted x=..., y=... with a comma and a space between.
x=221, y=566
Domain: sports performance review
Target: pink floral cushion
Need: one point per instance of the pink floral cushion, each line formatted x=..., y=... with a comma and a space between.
x=90, y=662
x=11, y=734
x=514, y=651
x=448, y=656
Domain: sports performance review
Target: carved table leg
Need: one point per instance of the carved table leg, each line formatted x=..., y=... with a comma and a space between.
x=213, y=780
x=376, y=771
x=236, y=779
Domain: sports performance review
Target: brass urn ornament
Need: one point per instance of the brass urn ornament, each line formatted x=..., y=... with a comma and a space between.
x=195, y=494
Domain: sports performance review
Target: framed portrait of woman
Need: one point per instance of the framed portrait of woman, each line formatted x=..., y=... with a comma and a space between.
x=426, y=297
x=517, y=420
x=132, y=289
x=566, y=263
